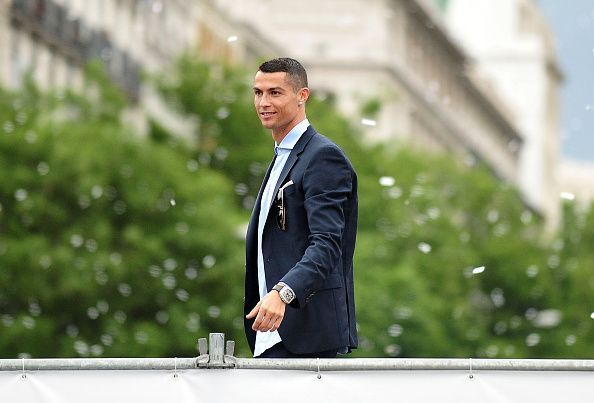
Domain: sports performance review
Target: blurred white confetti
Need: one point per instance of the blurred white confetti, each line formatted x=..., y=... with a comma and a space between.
x=478, y=270
x=387, y=181
x=232, y=38
x=368, y=122
x=567, y=196
x=424, y=247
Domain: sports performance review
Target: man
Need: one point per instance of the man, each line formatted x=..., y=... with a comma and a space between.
x=299, y=293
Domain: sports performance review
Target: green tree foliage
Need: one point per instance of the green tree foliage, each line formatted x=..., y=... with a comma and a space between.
x=109, y=245
x=116, y=245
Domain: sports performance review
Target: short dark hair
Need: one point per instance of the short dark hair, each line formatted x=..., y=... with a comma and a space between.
x=296, y=74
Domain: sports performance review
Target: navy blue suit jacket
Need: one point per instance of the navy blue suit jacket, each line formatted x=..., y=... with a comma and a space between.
x=314, y=254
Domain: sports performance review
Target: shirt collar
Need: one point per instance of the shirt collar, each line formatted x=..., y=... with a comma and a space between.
x=294, y=135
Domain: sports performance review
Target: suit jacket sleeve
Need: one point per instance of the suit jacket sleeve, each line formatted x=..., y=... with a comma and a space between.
x=327, y=185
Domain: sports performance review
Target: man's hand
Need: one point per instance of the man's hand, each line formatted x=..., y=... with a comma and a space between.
x=269, y=313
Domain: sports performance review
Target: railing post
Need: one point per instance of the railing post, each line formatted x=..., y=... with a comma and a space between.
x=214, y=353
x=216, y=348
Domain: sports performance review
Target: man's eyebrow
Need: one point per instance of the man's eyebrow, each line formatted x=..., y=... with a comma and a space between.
x=270, y=89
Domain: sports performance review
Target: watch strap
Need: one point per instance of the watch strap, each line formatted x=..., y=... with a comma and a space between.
x=278, y=287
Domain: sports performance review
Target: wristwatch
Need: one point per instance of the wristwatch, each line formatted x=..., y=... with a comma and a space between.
x=285, y=292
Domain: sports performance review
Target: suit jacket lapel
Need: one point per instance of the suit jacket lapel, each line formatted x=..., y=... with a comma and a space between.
x=293, y=157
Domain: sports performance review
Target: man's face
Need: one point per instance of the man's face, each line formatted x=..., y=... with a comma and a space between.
x=277, y=104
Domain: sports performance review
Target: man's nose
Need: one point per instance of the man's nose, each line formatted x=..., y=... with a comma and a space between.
x=264, y=100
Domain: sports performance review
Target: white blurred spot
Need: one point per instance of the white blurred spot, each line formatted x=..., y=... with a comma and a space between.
x=547, y=318
x=424, y=247
x=531, y=313
x=107, y=339
x=115, y=258
x=191, y=273
x=182, y=295
x=209, y=261
x=154, y=271
x=120, y=316
x=169, y=282
x=96, y=191
x=232, y=38
x=533, y=339
x=394, y=192
x=21, y=195
x=81, y=347
x=214, y=311
x=125, y=289
x=570, y=340
x=30, y=137
x=492, y=351
x=170, y=264
x=76, y=241
x=567, y=196
x=592, y=315
x=103, y=306
x=526, y=217
x=172, y=202
x=141, y=337
x=497, y=297
x=193, y=322
x=402, y=313
x=182, y=228
x=96, y=350
x=387, y=181
x=393, y=350
x=395, y=330
x=162, y=317
x=434, y=213
x=493, y=216
x=192, y=165
x=223, y=113
x=368, y=122
x=532, y=271
x=8, y=126
x=28, y=322
x=43, y=168
x=478, y=270
x=93, y=313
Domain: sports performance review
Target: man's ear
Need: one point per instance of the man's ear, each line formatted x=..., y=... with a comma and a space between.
x=303, y=95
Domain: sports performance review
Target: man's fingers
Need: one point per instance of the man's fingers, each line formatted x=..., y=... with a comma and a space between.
x=262, y=322
x=269, y=313
x=254, y=311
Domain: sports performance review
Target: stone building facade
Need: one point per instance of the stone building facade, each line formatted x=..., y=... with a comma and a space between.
x=399, y=52
x=514, y=50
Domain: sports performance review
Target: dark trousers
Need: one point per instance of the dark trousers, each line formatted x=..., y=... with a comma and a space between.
x=280, y=351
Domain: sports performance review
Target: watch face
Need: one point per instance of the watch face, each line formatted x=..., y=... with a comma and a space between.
x=287, y=295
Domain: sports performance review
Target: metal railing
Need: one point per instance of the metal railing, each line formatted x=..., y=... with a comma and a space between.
x=216, y=354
